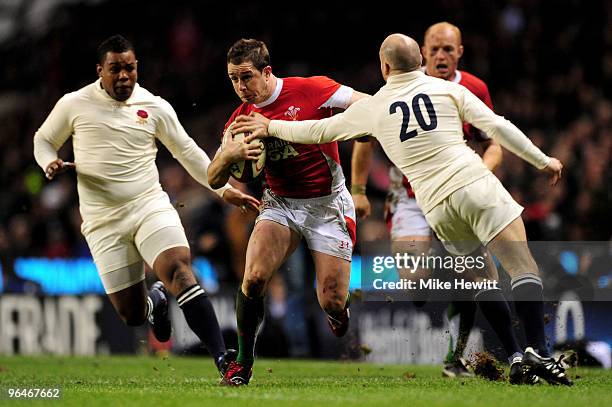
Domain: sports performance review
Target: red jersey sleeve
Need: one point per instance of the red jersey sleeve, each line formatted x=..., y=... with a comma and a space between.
x=320, y=88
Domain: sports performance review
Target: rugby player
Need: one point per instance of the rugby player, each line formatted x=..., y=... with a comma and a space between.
x=127, y=217
x=306, y=195
x=418, y=120
x=442, y=49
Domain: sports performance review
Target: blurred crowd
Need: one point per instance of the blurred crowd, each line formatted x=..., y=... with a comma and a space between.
x=550, y=73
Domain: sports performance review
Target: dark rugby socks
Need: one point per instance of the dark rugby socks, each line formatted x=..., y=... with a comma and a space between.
x=466, y=311
x=495, y=309
x=527, y=294
x=249, y=315
x=200, y=316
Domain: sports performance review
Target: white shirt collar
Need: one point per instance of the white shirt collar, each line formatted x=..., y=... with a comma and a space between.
x=274, y=96
x=458, y=75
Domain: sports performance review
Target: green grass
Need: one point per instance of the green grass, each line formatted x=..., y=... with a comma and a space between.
x=182, y=381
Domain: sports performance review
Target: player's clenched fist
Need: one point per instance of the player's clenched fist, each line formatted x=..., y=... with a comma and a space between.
x=57, y=167
x=554, y=168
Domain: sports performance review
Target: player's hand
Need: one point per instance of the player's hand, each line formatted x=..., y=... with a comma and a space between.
x=240, y=199
x=57, y=167
x=554, y=168
x=235, y=151
x=255, y=124
x=362, y=206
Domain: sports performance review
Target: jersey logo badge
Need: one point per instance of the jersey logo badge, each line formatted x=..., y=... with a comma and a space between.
x=292, y=112
x=142, y=116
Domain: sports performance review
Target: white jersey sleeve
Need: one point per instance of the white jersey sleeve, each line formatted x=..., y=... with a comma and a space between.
x=352, y=123
x=52, y=134
x=475, y=112
x=340, y=99
x=172, y=135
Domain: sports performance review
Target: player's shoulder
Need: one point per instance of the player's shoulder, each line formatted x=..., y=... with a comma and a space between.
x=80, y=94
x=472, y=82
x=308, y=82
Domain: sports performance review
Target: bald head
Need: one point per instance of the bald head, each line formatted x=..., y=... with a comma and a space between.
x=443, y=28
x=401, y=53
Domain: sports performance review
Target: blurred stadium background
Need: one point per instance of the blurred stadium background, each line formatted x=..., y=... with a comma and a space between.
x=549, y=72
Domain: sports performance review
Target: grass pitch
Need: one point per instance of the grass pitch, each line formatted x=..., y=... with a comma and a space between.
x=185, y=381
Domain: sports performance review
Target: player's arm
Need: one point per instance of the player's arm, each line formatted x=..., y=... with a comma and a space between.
x=231, y=152
x=475, y=112
x=49, y=139
x=361, y=162
x=492, y=152
x=172, y=135
x=352, y=123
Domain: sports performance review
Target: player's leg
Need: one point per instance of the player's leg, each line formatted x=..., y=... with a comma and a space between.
x=410, y=233
x=458, y=238
x=328, y=226
x=160, y=239
x=130, y=302
x=333, y=276
x=173, y=267
x=269, y=246
x=122, y=274
x=511, y=249
x=464, y=310
x=495, y=218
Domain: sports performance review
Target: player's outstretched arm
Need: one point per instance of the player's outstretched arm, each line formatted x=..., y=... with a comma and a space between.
x=475, y=112
x=353, y=123
x=361, y=162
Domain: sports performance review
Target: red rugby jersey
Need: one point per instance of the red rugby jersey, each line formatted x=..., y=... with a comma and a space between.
x=299, y=170
x=480, y=90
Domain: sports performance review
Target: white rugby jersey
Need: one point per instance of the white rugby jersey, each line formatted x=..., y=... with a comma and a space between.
x=418, y=121
x=114, y=144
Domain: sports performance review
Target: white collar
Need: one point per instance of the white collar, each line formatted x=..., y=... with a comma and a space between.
x=274, y=96
x=457, y=76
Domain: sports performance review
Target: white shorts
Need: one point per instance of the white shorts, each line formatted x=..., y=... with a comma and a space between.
x=327, y=223
x=473, y=215
x=129, y=234
x=407, y=219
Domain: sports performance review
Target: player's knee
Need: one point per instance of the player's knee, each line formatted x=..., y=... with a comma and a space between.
x=178, y=275
x=254, y=286
x=332, y=298
x=333, y=304
x=255, y=280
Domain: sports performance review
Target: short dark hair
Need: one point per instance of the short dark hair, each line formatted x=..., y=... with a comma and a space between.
x=251, y=50
x=116, y=43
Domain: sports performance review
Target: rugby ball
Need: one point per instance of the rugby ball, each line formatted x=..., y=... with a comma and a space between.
x=245, y=171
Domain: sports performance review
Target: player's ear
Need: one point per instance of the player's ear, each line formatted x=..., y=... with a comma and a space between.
x=460, y=50
x=267, y=71
x=99, y=69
